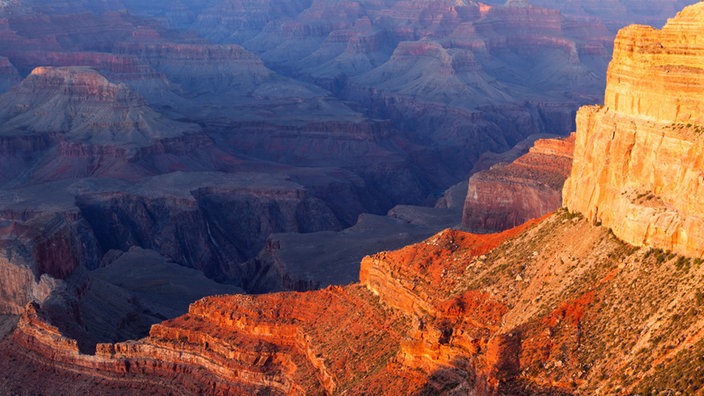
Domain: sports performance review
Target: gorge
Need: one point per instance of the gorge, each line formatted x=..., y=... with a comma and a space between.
x=129, y=203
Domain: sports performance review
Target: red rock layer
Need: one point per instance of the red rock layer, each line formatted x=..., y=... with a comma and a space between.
x=281, y=344
x=341, y=339
x=510, y=194
x=555, y=307
x=638, y=165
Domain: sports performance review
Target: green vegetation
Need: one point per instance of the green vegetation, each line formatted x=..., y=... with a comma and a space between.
x=661, y=255
x=683, y=374
x=683, y=263
x=565, y=214
x=696, y=128
x=699, y=297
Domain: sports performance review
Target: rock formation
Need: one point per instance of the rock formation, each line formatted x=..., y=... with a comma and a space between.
x=638, y=158
x=333, y=340
x=123, y=176
x=559, y=305
x=447, y=74
x=438, y=55
x=529, y=187
x=83, y=106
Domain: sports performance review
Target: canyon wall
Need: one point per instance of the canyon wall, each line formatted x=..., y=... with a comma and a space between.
x=639, y=159
x=508, y=195
x=558, y=305
x=456, y=79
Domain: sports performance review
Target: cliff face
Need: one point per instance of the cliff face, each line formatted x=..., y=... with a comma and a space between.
x=639, y=159
x=529, y=187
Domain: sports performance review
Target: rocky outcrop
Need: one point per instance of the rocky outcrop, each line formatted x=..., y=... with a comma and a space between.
x=225, y=353
x=329, y=341
x=531, y=310
x=416, y=278
x=529, y=187
x=85, y=107
x=638, y=159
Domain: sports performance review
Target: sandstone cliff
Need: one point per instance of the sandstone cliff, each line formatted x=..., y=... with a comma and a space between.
x=638, y=159
x=529, y=187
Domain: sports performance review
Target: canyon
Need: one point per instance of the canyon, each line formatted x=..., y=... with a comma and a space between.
x=601, y=296
x=162, y=177
x=197, y=136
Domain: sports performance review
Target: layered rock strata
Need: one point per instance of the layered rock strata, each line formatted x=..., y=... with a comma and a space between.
x=447, y=74
x=86, y=108
x=529, y=187
x=341, y=339
x=559, y=306
x=638, y=165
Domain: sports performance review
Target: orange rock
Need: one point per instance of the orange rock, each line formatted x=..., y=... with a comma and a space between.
x=508, y=195
x=639, y=160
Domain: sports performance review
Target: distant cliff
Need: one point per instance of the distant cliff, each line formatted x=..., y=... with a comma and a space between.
x=508, y=195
